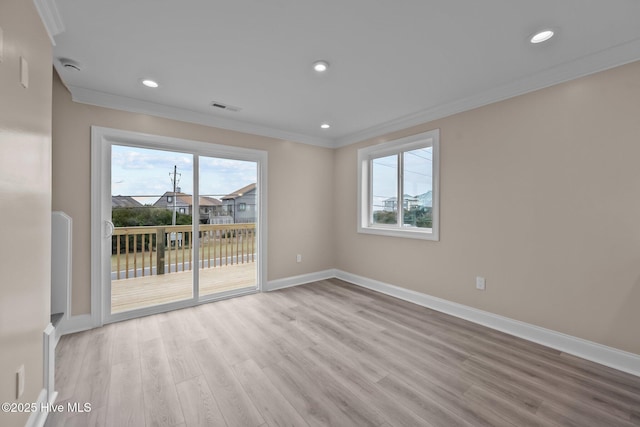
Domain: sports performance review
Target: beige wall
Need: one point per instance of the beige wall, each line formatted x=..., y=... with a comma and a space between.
x=25, y=192
x=540, y=194
x=300, y=187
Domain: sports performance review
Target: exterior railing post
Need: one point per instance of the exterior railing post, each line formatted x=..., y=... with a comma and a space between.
x=160, y=251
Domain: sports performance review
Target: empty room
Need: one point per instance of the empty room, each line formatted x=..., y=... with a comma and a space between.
x=261, y=214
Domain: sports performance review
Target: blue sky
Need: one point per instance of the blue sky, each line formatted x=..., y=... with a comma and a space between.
x=146, y=172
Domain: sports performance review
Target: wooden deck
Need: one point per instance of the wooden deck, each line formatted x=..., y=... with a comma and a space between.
x=139, y=292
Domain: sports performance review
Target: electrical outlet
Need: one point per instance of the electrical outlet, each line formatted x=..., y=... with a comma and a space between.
x=24, y=72
x=480, y=283
x=20, y=381
x=299, y=258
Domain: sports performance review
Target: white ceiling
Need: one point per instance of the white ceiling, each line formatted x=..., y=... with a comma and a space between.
x=393, y=64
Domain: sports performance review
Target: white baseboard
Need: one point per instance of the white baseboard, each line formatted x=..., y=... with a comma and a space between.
x=71, y=324
x=604, y=355
x=608, y=356
x=287, y=282
x=38, y=418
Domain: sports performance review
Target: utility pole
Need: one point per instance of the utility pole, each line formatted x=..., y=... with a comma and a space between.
x=174, y=179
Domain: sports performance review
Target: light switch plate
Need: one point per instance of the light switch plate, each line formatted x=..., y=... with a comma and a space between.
x=1, y=45
x=24, y=72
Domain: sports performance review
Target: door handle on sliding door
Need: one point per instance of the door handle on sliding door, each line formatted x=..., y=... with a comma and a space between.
x=109, y=227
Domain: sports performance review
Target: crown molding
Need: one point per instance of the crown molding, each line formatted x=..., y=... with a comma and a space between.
x=132, y=105
x=50, y=15
x=580, y=67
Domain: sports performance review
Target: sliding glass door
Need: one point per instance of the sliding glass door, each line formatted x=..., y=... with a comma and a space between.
x=228, y=201
x=152, y=216
x=179, y=222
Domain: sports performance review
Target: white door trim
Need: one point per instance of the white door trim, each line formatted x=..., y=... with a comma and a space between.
x=101, y=140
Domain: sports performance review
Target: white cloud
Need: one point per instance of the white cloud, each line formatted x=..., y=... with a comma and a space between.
x=146, y=172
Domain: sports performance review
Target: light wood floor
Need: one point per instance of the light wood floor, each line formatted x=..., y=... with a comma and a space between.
x=329, y=354
x=138, y=292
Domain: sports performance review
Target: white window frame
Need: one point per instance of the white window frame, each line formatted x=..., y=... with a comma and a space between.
x=365, y=212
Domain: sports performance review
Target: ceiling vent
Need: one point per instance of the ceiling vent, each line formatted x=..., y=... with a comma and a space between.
x=225, y=107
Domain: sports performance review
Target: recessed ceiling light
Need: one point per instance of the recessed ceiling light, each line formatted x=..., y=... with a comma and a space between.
x=541, y=36
x=325, y=126
x=320, y=66
x=150, y=83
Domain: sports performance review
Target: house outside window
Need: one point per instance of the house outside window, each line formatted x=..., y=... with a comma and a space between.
x=169, y=199
x=242, y=207
x=398, y=187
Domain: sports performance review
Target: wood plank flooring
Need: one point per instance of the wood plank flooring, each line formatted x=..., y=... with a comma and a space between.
x=328, y=354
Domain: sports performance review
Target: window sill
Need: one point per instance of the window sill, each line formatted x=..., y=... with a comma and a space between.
x=413, y=233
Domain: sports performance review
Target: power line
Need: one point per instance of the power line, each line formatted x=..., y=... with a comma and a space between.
x=414, y=154
x=405, y=171
x=160, y=195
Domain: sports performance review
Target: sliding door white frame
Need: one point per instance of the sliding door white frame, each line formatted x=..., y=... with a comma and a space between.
x=101, y=141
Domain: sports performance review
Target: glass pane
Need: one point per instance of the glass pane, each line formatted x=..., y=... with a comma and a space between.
x=384, y=190
x=228, y=216
x=418, y=188
x=151, y=210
